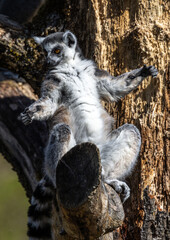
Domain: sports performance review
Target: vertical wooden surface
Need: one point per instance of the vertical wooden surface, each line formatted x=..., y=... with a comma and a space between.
x=120, y=36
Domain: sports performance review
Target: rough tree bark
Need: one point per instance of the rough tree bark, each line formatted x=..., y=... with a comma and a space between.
x=119, y=36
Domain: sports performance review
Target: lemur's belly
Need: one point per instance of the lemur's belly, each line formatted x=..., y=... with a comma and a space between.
x=86, y=123
x=83, y=102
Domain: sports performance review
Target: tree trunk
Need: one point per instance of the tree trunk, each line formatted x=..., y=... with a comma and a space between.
x=129, y=34
x=119, y=36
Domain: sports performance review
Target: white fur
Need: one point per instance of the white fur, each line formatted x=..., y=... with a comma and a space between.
x=38, y=40
x=85, y=108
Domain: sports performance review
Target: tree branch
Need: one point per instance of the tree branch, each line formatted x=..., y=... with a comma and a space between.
x=88, y=207
x=20, y=54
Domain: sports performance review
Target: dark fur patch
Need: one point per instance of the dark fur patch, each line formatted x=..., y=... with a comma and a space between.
x=52, y=77
x=66, y=94
x=48, y=183
x=39, y=108
x=49, y=85
x=43, y=196
x=40, y=232
x=37, y=214
x=62, y=115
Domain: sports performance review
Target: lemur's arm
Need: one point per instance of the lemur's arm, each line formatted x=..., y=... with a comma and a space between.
x=113, y=88
x=48, y=103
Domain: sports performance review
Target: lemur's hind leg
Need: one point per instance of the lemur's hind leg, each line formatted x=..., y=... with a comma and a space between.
x=39, y=213
x=119, y=155
x=60, y=141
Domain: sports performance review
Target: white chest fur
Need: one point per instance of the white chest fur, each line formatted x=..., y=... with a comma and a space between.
x=83, y=101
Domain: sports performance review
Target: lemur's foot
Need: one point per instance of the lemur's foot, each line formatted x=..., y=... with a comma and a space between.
x=121, y=188
x=30, y=113
x=149, y=71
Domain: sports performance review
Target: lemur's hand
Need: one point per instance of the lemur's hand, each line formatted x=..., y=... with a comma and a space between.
x=149, y=71
x=143, y=72
x=30, y=113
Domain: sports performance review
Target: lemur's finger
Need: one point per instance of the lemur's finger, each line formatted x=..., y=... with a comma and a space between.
x=153, y=71
x=151, y=68
x=24, y=117
x=154, y=75
x=125, y=192
x=25, y=110
x=125, y=197
x=27, y=121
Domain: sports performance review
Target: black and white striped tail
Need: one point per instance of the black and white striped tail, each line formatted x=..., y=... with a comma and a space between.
x=39, y=213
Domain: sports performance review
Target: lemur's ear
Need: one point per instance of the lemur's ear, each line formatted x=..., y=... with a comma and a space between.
x=39, y=40
x=70, y=39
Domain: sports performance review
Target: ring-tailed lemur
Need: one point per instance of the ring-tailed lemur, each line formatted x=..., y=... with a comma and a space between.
x=77, y=84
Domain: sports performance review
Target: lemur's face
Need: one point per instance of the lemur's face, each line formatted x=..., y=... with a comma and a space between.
x=59, y=47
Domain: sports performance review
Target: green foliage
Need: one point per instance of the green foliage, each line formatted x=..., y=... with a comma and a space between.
x=13, y=204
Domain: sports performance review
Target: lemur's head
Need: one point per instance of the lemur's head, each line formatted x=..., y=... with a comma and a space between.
x=60, y=47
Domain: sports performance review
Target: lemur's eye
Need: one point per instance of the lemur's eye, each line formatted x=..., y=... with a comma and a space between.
x=57, y=51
